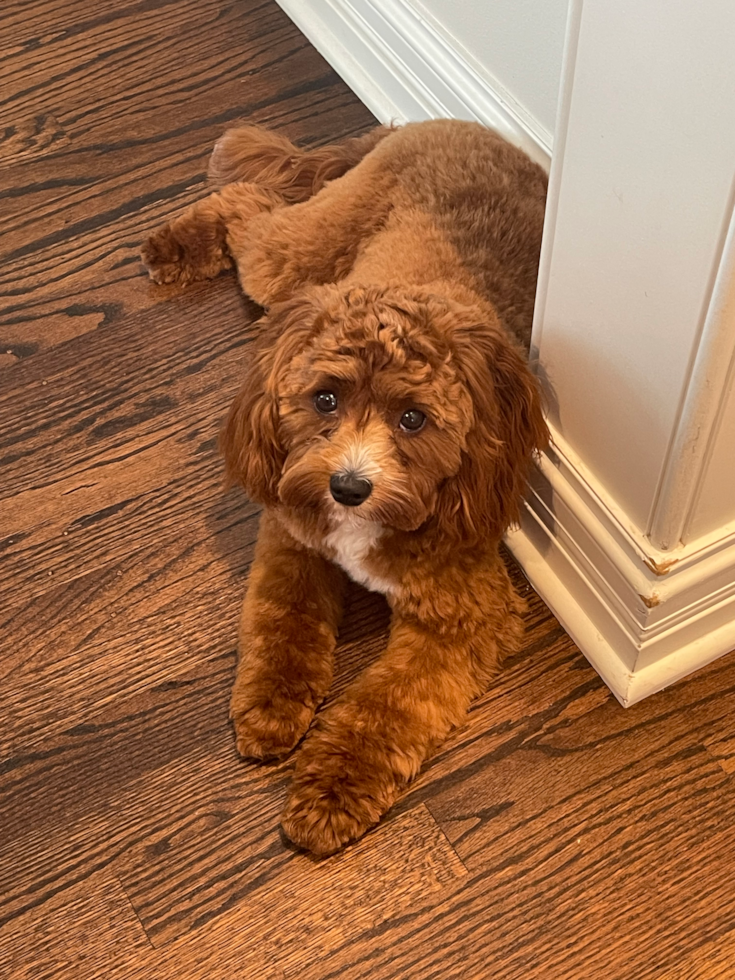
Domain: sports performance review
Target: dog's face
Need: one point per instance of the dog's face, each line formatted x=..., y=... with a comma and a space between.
x=372, y=416
x=387, y=405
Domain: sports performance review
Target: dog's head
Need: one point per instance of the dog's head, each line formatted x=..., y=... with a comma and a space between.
x=396, y=405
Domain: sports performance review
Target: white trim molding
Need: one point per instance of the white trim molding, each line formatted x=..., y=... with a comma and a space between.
x=703, y=406
x=402, y=68
x=643, y=618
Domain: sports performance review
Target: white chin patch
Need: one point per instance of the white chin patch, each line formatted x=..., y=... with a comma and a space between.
x=352, y=538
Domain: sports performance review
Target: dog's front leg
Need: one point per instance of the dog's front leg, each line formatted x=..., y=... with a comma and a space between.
x=288, y=630
x=371, y=743
x=195, y=245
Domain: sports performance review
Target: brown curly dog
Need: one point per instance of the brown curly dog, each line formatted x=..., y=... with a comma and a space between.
x=387, y=423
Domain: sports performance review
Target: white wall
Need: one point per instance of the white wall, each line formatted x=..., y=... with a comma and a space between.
x=495, y=62
x=643, y=206
x=712, y=507
x=630, y=535
x=516, y=44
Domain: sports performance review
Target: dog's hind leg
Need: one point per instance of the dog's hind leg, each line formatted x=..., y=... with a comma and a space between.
x=269, y=173
x=251, y=153
x=315, y=242
x=288, y=630
x=194, y=245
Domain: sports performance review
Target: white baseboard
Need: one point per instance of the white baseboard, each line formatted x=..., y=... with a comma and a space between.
x=644, y=619
x=404, y=70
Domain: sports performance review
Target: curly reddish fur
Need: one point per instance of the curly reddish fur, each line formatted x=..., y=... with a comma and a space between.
x=398, y=273
x=249, y=153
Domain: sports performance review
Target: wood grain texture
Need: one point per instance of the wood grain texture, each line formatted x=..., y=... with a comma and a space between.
x=713, y=961
x=109, y=115
x=554, y=836
x=413, y=866
x=722, y=746
x=90, y=931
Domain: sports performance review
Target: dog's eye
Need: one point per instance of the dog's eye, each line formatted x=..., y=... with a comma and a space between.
x=325, y=402
x=412, y=420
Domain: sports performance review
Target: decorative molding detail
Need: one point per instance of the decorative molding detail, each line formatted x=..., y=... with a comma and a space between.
x=704, y=399
x=404, y=70
x=643, y=618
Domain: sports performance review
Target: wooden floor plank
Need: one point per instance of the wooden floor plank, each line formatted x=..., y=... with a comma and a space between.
x=712, y=961
x=161, y=612
x=145, y=420
x=113, y=118
x=91, y=932
x=413, y=865
x=91, y=794
x=723, y=749
x=622, y=930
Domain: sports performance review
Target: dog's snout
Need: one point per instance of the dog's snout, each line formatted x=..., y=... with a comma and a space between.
x=350, y=489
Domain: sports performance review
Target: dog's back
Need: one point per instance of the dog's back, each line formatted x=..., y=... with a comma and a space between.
x=486, y=197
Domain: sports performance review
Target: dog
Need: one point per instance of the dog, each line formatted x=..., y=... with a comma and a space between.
x=387, y=423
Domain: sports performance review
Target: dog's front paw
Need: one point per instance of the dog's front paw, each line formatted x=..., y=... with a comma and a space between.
x=335, y=797
x=268, y=729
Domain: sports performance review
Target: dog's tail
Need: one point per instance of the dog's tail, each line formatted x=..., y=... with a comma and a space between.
x=263, y=157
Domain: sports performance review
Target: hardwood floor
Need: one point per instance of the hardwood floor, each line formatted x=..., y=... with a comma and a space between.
x=555, y=837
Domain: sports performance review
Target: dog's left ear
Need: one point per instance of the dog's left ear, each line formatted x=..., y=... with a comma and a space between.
x=507, y=430
x=251, y=440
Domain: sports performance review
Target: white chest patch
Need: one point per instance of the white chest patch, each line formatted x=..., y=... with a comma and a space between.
x=352, y=540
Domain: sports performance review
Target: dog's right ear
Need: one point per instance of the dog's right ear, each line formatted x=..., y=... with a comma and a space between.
x=251, y=440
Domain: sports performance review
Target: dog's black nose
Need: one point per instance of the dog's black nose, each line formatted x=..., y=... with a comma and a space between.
x=350, y=489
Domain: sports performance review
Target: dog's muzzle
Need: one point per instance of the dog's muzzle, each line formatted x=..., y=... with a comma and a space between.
x=350, y=489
